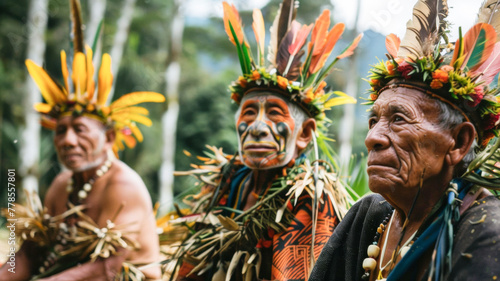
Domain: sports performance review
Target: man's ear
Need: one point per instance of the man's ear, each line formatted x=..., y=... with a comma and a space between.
x=110, y=137
x=463, y=136
x=306, y=134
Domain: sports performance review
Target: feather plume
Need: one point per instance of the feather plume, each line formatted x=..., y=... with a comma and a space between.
x=319, y=60
x=90, y=75
x=299, y=39
x=273, y=45
x=349, y=50
x=232, y=16
x=479, y=42
x=488, y=13
x=136, y=98
x=392, y=43
x=287, y=15
x=319, y=33
x=260, y=33
x=424, y=30
x=76, y=20
x=105, y=80
x=289, y=65
x=491, y=66
x=51, y=92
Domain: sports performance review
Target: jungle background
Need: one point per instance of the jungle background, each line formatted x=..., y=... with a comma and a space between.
x=178, y=48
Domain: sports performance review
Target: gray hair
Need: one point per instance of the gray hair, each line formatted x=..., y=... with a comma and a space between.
x=449, y=118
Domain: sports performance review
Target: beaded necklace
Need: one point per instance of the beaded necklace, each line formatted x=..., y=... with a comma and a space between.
x=87, y=187
x=370, y=263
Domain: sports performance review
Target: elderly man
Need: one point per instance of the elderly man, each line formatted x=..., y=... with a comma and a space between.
x=98, y=215
x=259, y=214
x=430, y=218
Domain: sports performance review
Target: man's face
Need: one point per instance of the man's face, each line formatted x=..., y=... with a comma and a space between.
x=80, y=142
x=405, y=143
x=266, y=131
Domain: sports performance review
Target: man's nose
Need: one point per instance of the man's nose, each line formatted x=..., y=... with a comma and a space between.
x=259, y=129
x=69, y=139
x=376, y=138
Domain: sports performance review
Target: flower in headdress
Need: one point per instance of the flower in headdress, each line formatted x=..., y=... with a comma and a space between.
x=242, y=81
x=236, y=97
x=490, y=121
x=309, y=96
x=440, y=75
x=391, y=68
x=436, y=84
x=373, y=96
x=282, y=82
x=477, y=97
x=255, y=75
x=405, y=68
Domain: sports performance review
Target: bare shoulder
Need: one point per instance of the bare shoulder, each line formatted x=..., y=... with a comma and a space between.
x=57, y=187
x=126, y=185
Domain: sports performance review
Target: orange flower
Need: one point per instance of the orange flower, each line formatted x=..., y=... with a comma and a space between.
x=440, y=75
x=242, y=81
x=309, y=96
x=236, y=97
x=436, y=84
x=255, y=75
x=321, y=86
x=373, y=97
x=374, y=82
x=90, y=107
x=282, y=82
x=390, y=67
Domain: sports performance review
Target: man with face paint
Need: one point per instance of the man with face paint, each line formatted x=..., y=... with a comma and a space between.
x=266, y=213
x=97, y=222
x=431, y=217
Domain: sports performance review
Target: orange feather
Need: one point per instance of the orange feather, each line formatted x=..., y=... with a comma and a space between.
x=392, y=43
x=319, y=32
x=232, y=15
x=471, y=40
x=259, y=29
x=333, y=36
x=350, y=50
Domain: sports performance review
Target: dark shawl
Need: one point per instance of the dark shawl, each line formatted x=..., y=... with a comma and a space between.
x=476, y=251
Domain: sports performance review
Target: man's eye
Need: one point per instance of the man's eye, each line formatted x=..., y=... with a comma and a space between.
x=60, y=130
x=249, y=112
x=398, y=118
x=371, y=122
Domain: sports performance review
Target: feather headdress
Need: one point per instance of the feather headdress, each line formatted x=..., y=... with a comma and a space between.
x=457, y=74
x=84, y=98
x=301, y=81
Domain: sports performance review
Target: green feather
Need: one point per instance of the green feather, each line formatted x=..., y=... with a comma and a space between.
x=478, y=50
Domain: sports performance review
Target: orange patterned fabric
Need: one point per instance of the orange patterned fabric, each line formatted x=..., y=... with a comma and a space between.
x=292, y=248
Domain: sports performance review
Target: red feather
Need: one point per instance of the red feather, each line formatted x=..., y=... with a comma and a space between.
x=471, y=42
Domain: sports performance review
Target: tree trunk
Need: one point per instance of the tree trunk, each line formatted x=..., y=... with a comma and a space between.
x=347, y=123
x=96, y=14
x=170, y=116
x=119, y=41
x=30, y=140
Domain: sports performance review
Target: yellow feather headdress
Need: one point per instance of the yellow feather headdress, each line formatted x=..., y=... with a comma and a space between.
x=82, y=99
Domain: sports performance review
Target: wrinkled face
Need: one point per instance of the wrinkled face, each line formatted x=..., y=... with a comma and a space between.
x=404, y=140
x=80, y=142
x=266, y=130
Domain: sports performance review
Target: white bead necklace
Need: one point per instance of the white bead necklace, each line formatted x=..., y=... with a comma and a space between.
x=87, y=187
